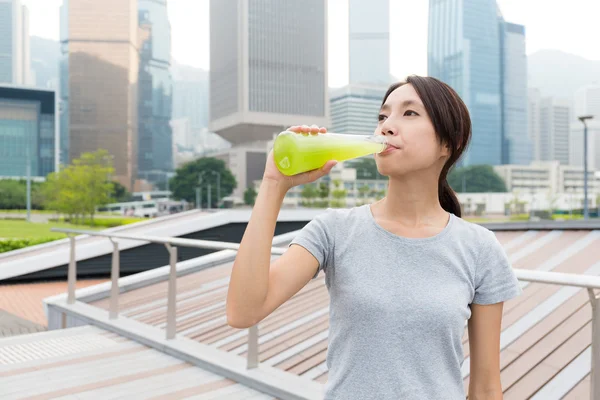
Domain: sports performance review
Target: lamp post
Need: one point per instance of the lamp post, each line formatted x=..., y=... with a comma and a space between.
x=218, y=186
x=199, y=191
x=586, y=213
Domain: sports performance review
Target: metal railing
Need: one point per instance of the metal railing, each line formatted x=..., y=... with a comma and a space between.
x=171, y=244
x=588, y=282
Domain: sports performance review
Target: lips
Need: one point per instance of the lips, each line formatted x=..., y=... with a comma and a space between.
x=389, y=149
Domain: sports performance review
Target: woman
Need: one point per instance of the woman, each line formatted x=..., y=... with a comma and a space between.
x=403, y=274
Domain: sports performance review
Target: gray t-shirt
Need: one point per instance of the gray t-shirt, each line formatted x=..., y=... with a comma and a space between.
x=398, y=305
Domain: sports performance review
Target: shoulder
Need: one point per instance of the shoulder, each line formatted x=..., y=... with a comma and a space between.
x=475, y=234
x=341, y=216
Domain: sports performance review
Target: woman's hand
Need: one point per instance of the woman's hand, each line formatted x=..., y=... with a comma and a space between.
x=287, y=182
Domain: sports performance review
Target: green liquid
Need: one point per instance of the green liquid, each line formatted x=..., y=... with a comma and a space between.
x=296, y=153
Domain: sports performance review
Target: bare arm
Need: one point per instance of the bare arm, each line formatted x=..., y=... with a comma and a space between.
x=484, y=344
x=258, y=287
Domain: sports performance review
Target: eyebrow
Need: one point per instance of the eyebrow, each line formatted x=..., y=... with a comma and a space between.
x=404, y=104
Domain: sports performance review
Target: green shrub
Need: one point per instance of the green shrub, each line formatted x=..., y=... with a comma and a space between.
x=101, y=222
x=15, y=244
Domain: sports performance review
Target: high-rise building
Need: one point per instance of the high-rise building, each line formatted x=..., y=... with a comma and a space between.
x=190, y=101
x=99, y=78
x=516, y=144
x=593, y=144
x=587, y=101
x=15, y=58
x=554, y=135
x=354, y=108
x=534, y=99
x=369, y=47
x=464, y=51
x=268, y=67
x=154, y=92
x=27, y=131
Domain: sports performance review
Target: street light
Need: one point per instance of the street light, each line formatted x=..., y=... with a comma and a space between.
x=584, y=118
x=199, y=190
x=218, y=186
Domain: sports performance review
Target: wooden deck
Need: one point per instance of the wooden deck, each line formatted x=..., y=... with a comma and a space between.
x=546, y=332
x=12, y=325
x=91, y=363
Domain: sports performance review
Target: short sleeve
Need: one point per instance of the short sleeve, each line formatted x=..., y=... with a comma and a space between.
x=495, y=281
x=317, y=238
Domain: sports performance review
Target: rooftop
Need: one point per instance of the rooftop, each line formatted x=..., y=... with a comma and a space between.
x=545, y=342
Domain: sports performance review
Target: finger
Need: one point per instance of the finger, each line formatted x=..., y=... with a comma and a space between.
x=315, y=174
x=294, y=128
x=314, y=129
x=323, y=130
x=305, y=128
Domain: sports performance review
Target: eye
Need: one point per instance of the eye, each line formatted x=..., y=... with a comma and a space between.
x=410, y=113
x=381, y=117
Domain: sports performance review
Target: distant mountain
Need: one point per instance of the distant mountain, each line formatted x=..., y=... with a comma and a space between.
x=560, y=74
x=45, y=56
x=182, y=72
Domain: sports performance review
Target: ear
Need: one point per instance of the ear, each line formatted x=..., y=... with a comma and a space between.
x=446, y=151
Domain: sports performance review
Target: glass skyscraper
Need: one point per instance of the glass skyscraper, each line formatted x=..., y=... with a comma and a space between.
x=517, y=146
x=155, y=88
x=99, y=82
x=369, y=47
x=464, y=50
x=15, y=60
x=27, y=131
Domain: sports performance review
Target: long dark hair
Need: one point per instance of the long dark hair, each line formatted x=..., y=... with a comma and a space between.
x=452, y=123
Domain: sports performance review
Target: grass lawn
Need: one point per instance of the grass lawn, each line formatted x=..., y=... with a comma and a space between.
x=29, y=230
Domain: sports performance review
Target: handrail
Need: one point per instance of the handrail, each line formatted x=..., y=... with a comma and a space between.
x=197, y=243
x=171, y=246
x=554, y=278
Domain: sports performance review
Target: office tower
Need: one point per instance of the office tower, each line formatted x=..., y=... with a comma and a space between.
x=587, y=101
x=554, y=138
x=593, y=144
x=466, y=46
x=27, y=131
x=516, y=144
x=534, y=99
x=190, y=103
x=268, y=67
x=369, y=42
x=154, y=92
x=99, y=78
x=15, y=58
x=354, y=108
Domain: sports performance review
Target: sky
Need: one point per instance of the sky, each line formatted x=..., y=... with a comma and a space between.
x=571, y=26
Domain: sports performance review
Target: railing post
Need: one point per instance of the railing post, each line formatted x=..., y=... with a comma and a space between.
x=252, y=355
x=72, y=273
x=172, y=292
x=114, y=276
x=595, y=367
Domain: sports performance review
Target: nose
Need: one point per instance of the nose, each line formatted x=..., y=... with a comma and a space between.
x=387, y=129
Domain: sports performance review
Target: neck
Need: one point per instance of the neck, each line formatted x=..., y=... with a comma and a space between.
x=414, y=199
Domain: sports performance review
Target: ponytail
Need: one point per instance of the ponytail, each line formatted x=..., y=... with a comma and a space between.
x=448, y=198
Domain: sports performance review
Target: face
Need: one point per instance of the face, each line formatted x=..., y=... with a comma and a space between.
x=415, y=146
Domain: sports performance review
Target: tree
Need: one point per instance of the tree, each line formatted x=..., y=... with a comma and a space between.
x=120, y=193
x=13, y=195
x=366, y=168
x=338, y=194
x=186, y=180
x=79, y=188
x=476, y=179
x=250, y=196
x=363, y=191
x=308, y=194
x=323, y=194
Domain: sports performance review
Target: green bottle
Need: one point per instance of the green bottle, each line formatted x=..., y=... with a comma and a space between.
x=295, y=153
